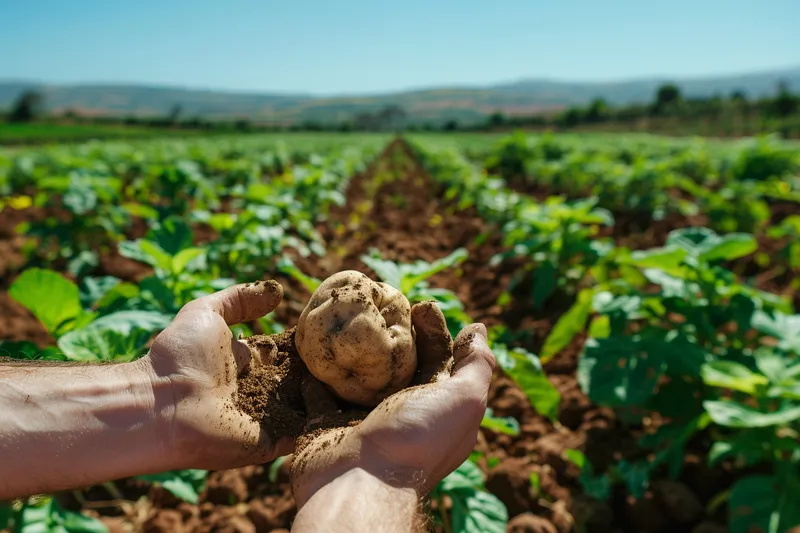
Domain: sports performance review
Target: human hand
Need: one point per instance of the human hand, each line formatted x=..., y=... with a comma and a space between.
x=416, y=437
x=194, y=364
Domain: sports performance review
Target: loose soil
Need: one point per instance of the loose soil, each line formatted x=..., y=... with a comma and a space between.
x=397, y=209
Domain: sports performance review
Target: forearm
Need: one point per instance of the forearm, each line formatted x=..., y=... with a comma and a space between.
x=68, y=426
x=357, y=501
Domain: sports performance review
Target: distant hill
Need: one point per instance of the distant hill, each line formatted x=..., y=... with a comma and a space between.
x=435, y=104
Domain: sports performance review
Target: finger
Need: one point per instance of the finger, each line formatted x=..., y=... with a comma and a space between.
x=243, y=302
x=434, y=343
x=474, y=362
x=317, y=399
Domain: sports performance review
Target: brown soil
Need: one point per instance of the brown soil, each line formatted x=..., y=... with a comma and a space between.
x=270, y=392
x=396, y=208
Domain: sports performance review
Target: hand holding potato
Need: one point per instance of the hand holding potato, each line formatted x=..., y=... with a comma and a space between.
x=415, y=437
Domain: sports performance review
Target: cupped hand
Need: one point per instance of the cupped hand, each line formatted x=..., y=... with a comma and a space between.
x=416, y=437
x=194, y=364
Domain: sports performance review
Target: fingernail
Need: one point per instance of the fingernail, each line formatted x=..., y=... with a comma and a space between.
x=481, y=330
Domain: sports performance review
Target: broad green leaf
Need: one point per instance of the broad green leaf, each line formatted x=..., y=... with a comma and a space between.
x=735, y=415
x=171, y=235
x=387, y=271
x=570, y=324
x=182, y=258
x=49, y=517
x=93, y=288
x=731, y=375
x=118, y=336
x=467, y=475
x=52, y=299
x=772, y=365
x=184, y=484
x=523, y=367
x=155, y=255
x=600, y=327
x=765, y=504
x=620, y=371
x=420, y=271
x=27, y=350
x=691, y=239
x=667, y=259
x=507, y=425
x=476, y=511
x=731, y=246
x=544, y=283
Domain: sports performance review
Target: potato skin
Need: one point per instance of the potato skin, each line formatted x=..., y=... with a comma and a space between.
x=355, y=336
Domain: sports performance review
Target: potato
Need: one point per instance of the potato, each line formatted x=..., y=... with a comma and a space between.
x=355, y=336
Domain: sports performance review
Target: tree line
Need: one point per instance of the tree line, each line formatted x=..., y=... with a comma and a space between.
x=668, y=108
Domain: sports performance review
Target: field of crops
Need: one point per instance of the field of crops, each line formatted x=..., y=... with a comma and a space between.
x=640, y=294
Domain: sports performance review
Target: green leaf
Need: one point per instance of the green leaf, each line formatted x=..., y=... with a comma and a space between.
x=620, y=371
x=570, y=324
x=526, y=371
x=155, y=255
x=667, y=259
x=544, y=283
x=731, y=246
x=275, y=467
x=506, y=425
x=420, y=271
x=6, y=512
x=735, y=415
x=576, y=457
x=286, y=266
x=636, y=476
x=600, y=327
x=54, y=300
x=171, y=235
x=184, y=484
x=477, y=512
x=764, y=503
x=387, y=271
x=118, y=336
x=182, y=258
x=474, y=510
x=49, y=517
x=467, y=475
x=731, y=375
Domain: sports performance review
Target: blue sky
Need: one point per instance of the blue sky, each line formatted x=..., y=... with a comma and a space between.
x=359, y=46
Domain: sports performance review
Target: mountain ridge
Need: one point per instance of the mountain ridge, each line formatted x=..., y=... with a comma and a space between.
x=460, y=102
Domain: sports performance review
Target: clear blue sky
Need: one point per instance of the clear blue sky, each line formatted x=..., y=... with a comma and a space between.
x=359, y=46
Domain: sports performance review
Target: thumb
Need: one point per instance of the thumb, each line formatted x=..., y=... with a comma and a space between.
x=474, y=362
x=241, y=303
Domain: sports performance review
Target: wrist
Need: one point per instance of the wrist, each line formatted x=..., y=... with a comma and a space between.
x=357, y=500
